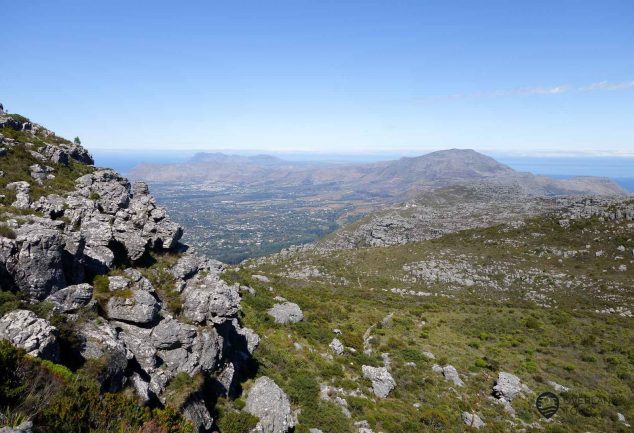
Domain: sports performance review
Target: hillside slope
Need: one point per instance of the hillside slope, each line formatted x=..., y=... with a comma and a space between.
x=541, y=305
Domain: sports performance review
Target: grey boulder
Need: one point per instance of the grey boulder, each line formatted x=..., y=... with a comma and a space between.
x=71, y=298
x=337, y=346
x=210, y=301
x=268, y=402
x=196, y=412
x=508, y=386
x=450, y=373
x=287, y=312
x=472, y=420
x=37, y=266
x=141, y=307
x=171, y=334
x=382, y=381
x=25, y=330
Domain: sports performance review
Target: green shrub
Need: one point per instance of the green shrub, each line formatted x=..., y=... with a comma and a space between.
x=7, y=232
x=8, y=302
x=237, y=422
x=325, y=416
x=303, y=388
x=181, y=387
x=533, y=323
x=481, y=363
x=57, y=400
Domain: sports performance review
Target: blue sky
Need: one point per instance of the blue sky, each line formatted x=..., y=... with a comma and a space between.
x=518, y=77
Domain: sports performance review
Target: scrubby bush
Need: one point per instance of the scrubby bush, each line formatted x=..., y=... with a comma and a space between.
x=57, y=400
x=8, y=302
x=237, y=422
x=181, y=387
x=7, y=232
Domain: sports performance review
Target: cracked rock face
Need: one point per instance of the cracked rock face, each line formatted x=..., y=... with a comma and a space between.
x=105, y=220
x=382, y=381
x=26, y=331
x=35, y=260
x=268, y=402
x=141, y=307
x=71, y=298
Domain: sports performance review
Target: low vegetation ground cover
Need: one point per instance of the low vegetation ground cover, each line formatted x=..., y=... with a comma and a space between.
x=480, y=329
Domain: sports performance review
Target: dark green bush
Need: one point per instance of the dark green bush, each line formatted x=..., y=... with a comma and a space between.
x=7, y=232
x=58, y=401
x=237, y=422
x=8, y=302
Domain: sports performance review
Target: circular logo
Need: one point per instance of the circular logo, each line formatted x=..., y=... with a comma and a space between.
x=547, y=404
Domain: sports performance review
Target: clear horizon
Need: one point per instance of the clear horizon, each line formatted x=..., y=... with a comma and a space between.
x=620, y=169
x=332, y=77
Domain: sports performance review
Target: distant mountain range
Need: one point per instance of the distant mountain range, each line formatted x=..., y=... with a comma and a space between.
x=396, y=179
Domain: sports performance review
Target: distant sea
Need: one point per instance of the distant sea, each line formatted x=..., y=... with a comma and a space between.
x=620, y=169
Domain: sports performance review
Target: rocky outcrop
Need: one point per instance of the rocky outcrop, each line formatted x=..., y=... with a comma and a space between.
x=136, y=334
x=268, y=402
x=26, y=331
x=382, y=381
x=287, y=312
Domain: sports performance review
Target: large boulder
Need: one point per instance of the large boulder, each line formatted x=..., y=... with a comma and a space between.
x=210, y=300
x=286, y=312
x=107, y=188
x=37, y=264
x=268, y=402
x=508, y=386
x=22, y=194
x=140, y=307
x=99, y=338
x=382, y=381
x=171, y=334
x=25, y=330
x=71, y=298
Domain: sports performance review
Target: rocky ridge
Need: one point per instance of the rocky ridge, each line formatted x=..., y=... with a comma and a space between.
x=87, y=251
